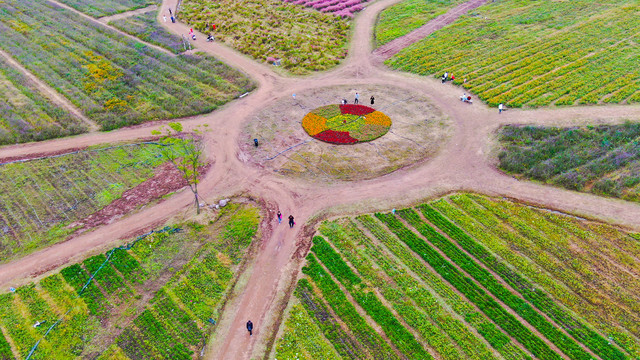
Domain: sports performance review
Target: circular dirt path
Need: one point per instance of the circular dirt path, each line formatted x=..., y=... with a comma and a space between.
x=464, y=163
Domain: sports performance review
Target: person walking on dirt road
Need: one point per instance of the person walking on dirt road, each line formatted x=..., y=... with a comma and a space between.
x=500, y=108
x=279, y=217
x=291, y=222
x=250, y=327
x=357, y=97
x=372, y=99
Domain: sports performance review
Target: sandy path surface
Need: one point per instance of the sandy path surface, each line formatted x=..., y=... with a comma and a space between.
x=464, y=163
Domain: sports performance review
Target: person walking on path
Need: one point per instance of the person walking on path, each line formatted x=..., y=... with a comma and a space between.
x=500, y=108
x=357, y=97
x=279, y=215
x=372, y=99
x=291, y=222
x=170, y=13
x=250, y=327
x=164, y=17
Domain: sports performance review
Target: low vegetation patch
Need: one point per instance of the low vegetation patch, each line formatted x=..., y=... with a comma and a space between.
x=99, y=8
x=160, y=299
x=115, y=81
x=402, y=18
x=146, y=27
x=537, y=53
x=304, y=40
x=43, y=201
x=601, y=159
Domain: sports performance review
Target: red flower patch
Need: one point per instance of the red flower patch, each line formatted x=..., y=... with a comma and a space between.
x=357, y=110
x=336, y=137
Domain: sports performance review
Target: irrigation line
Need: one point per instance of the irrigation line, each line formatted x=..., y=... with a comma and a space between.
x=287, y=149
x=168, y=229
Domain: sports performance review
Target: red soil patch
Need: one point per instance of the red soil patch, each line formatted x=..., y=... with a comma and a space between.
x=166, y=180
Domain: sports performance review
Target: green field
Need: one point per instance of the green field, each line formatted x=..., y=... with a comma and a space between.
x=408, y=15
x=42, y=201
x=154, y=301
x=26, y=114
x=99, y=8
x=306, y=40
x=525, y=53
x=466, y=277
x=111, y=79
x=146, y=27
x=604, y=159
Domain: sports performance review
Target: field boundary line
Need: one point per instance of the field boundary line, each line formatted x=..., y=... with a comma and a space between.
x=126, y=14
x=49, y=92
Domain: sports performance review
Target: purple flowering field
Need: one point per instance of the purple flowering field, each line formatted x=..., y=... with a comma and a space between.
x=344, y=8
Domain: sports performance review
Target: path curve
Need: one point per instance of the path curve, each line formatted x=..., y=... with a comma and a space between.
x=464, y=163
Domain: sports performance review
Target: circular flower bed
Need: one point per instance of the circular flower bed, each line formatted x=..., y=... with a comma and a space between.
x=346, y=124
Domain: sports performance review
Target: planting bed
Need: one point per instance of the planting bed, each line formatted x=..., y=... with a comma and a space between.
x=26, y=114
x=99, y=8
x=159, y=300
x=599, y=159
x=346, y=124
x=419, y=129
x=303, y=39
x=43, y=201
x=537, y=53
x=408, y=15
x=345, y=8
x=468, y=277
x=146, y=27
x=113, y=80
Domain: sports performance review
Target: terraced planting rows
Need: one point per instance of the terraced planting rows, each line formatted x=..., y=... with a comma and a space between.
x=303, y=39
x=604, y=160
x=26, y=114
x=99, y=8
x=111, y=79
x=146, y=27
x=404, y=17
x=537, y=53
x=43, y=200
x=159, y=300
x=433, y=288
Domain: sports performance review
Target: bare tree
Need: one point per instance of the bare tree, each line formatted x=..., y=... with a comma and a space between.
x=184, y=150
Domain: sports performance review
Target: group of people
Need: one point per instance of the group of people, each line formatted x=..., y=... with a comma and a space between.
x=445, y=77
x=291, y=220
x=173, y=19
x=192, y=35
x=357, y=100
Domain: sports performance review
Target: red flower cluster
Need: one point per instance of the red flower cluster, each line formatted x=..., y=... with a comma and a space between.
x=357, y=110
x=336, y=137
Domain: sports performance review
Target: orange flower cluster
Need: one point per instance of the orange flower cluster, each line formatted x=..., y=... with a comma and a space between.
x=314, y=124
x=377, y=118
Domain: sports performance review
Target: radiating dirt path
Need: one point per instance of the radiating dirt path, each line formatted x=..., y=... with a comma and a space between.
x=464, y=163
x=393, y=47
x=49, y=92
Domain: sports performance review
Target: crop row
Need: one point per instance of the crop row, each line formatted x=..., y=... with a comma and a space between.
x=538, y=298
x=585, y=56
x=303, y=339
x=345, y=309
x=472, y=291
x=398, y=334
x=113, y=80
x=338, y=7
x=5, y=349
x=461, y=306
x=146, y=27
x=546, y=271
x=342, y=342
x=413, y=302
x=27, y=115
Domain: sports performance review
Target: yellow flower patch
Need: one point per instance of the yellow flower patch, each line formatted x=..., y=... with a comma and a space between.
x=377, y=118
x=314, y=124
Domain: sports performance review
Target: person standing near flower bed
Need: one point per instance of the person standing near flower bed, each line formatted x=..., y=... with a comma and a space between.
x=372, y=99
x=357, y=97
